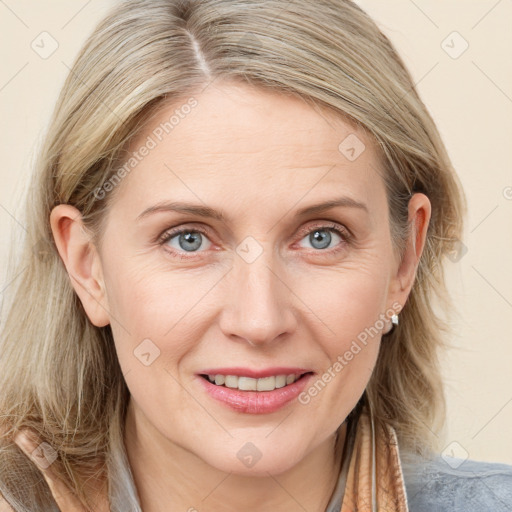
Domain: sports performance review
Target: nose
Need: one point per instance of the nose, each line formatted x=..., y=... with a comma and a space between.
x=259, y=304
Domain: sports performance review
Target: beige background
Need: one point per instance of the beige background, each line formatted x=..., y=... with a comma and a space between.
x=469, y=95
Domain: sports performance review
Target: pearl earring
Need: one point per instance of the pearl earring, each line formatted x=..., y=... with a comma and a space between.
x=394, y=322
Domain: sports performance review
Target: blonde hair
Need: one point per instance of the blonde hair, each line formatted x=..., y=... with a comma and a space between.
x=59, y=374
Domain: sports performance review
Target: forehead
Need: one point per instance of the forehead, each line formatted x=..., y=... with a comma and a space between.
x=252, y=146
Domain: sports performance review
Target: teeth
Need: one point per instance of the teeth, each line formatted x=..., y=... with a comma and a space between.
x=247, y=384
x=231, y=381
x=281, y=381
x=250, y=384
x=266, y=384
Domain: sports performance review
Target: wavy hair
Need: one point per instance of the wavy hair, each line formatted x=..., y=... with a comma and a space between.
x=59, y=374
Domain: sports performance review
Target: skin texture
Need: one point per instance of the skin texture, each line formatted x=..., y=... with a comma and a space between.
x=258, y=157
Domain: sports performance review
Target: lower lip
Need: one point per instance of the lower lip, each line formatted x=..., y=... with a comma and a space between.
x=255, y=402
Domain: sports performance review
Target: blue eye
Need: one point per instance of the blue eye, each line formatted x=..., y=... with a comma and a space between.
x=321, y=237
x=187, y=240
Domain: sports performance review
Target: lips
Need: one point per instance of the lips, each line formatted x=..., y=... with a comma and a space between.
x=254, y=402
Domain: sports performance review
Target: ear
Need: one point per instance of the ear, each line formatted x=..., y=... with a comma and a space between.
x=81, y=260
x=419, y=218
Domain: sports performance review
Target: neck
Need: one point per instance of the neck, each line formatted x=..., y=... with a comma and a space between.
x=170, y=477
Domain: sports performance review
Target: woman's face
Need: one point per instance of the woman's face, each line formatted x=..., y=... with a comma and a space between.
x=262, y=281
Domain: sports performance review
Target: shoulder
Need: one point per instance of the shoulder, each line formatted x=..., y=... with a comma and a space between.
x=446, y=483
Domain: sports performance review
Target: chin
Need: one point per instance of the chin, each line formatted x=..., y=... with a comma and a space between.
x=250, y=460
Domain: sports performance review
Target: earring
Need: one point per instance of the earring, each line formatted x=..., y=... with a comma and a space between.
x=394, y=322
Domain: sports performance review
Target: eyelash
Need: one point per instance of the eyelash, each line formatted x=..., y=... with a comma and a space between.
x=339, y=230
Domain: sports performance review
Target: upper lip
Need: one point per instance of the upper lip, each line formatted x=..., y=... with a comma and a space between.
x=255, y=374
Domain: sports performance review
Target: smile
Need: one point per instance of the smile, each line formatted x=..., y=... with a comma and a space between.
x=267, y=399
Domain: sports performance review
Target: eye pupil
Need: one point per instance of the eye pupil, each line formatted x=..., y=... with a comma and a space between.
x=316, y=237
x=190, y=237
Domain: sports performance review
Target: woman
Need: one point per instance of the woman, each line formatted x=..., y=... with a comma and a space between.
x=235, y=236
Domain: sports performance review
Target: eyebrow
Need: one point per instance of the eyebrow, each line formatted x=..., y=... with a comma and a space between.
x=207, y=212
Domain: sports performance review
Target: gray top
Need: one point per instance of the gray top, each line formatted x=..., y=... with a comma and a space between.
x=458, y=485
x=448, y=484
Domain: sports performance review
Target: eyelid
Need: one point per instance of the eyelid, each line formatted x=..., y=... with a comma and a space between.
x=171, y=232
x=342, y=230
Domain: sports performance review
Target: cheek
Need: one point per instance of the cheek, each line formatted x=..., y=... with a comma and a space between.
x=347, y=309
x=346, y=302
x=167, y=307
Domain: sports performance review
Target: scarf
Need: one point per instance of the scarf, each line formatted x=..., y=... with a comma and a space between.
x=371, y=478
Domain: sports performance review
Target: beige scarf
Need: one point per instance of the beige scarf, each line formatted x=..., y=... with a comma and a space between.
x=371, y=472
